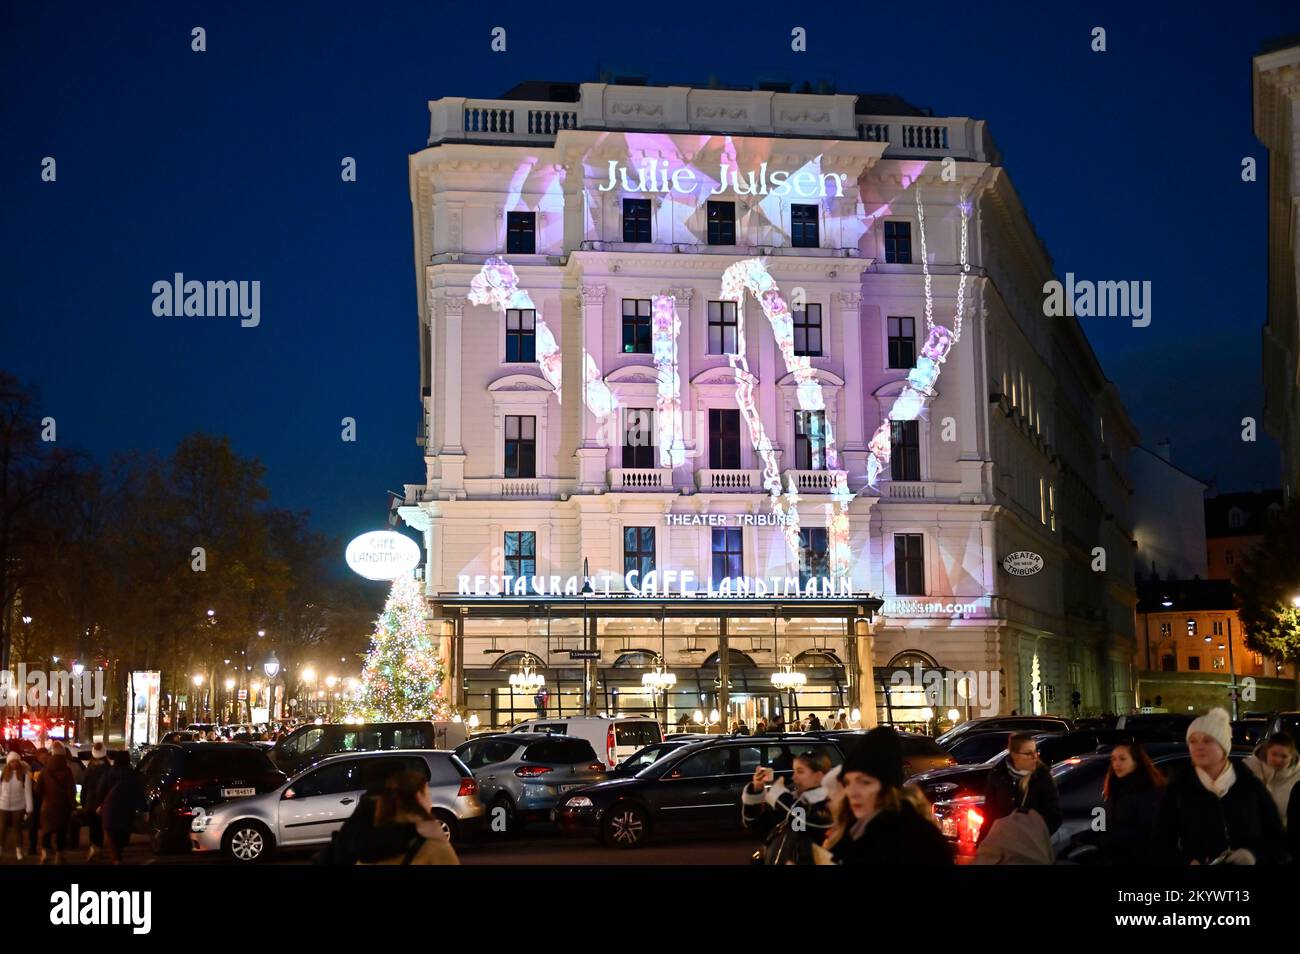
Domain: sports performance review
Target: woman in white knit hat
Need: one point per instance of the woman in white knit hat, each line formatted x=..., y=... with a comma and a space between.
x=1214, y=814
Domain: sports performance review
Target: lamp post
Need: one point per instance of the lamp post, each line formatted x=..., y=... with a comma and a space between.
x=272, y=668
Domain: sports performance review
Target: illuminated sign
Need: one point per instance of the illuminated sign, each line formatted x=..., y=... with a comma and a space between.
x=725, y=519
x=654, y=176
x=1022, y=563
x=382, y=555
x=654, y=583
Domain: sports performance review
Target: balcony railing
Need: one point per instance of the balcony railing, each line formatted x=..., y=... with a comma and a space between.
x=816, y=481
x=640, y=478
x=745, y=481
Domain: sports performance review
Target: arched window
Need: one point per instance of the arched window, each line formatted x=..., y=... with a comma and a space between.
x=734, y=658
x=910, y=657
x=635, y=659
x=817, y=657
x=512, y=660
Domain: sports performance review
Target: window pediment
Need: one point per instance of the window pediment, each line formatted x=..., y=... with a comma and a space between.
x=519, y=381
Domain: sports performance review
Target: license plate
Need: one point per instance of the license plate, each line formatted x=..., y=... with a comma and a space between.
x=237, y=792
x=949, y=827
x=568, y=788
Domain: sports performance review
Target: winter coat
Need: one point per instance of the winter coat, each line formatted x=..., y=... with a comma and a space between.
x=777, y=811
x=1020, y=838
x=1132, y=811
x=58, y=794
x=358, y=840
x=417, y=850
x=92, y=786
x=122, y=797
x=1197, y=825
x=16, y=790
x=892, y=839
x=1003, y=795
x=1279, y=782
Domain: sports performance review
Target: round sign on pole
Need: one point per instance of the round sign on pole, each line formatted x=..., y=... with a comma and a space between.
x=382, y=555
x=1022, y=563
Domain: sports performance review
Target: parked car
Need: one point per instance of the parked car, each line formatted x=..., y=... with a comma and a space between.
x=310, y=743
x=1249, y=732
x=182, y=777
x=181, y=735
x=1052, y=747
x=306, y=810
x=1288, y=722
x=920, y=752
x=525, y=775
x=1005, y=724
x=652, y=753
x=1078, y=783
x=1156, y=726
x=696, y=788
x=613, y=738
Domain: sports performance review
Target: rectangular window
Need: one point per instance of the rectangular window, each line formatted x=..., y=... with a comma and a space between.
x=904, y=450
x=521, y=233
x=724, y=438
x=814, y=555
x=1168, y=663
x=521, y=446
x=902, y=342
x=728, y=553
x=1218, y=662
x=636, y=220
x=1051, y=506
x=636, y=325
x=638, y=437
x=521, y=342
x=803, y=226
x=808, y=331
x=722, y=327
x=1042, y=500
x=722, y=223
x=909, y=564
x=810, y=440
x=1194, y=663
x=1217, y=627
x=1227, y=557
x=1166, y=630
x=638, y=551
x=898, y=243
x=521, y=553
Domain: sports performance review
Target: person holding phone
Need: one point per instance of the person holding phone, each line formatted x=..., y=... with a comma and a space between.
x=795, y=818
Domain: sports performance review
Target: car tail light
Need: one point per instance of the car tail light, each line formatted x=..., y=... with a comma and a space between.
x=190, y=785
x=974, y=822
x=467, y=787
x=596, y=767
x=532, y=771
x=611, y=754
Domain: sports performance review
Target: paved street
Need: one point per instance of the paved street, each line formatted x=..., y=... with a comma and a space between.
x=533, y=848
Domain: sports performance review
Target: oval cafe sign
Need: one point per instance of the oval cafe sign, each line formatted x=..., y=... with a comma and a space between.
x=1022, y=563
x=382, y=555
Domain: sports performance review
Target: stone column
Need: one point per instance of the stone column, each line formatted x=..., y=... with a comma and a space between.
x=593, y=443
x=451, y=456
x=866, y=702
x=851, y=436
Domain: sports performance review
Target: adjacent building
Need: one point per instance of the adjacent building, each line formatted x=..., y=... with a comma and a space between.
x=1169, y=517
x=740, y=403
x=1235, y=525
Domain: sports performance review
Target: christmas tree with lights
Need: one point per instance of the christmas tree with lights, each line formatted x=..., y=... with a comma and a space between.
x=403, y=674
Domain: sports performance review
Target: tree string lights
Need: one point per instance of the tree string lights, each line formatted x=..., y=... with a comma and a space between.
x=403, y=675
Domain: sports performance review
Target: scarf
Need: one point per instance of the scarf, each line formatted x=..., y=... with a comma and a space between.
x=1219, y=786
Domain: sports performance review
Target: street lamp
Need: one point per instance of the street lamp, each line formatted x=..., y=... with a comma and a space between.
x=271, y=667
x=198, y=683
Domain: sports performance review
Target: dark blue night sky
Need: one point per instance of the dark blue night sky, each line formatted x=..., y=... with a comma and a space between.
x=225, y=165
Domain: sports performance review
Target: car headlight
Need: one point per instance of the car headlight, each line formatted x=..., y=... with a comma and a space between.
x=578, y=801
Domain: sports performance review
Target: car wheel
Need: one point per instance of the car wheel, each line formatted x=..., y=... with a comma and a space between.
x=246, y=842
x=502, y=808
x=447, y=822
x=625, y=826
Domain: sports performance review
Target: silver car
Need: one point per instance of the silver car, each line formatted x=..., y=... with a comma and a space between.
x=315, y=803
x=522, y=776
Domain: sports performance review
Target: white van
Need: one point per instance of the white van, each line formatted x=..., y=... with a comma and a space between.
x=614, y=739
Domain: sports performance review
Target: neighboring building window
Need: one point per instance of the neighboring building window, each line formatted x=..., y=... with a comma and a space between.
x=521, y=342
x=803, y=226
x=1217, y=627
x=1194, y=663
x=1166, y=629
x=902, y=342
x=521, y=446
x=808, y=331
x=1218, y=662
x=909, y=564
x=724, y=439
x=1236, y=519
x=521, y=553
x=1191, y=627
x=636, y=220
x=722, y=327
x=638, y=437
x=638, y=551
x=810, y=440
x=1051, y=505
x=814, y=555
x=1042, y=500
x=636, y=325
x=898, y=243
x=521, y=233
x=722, y=223
x=904, y=450
x=1227, y=557
x=1168, y=664
x=728, y=553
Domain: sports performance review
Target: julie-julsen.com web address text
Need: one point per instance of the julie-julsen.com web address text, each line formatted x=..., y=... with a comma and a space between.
x=1175, y=919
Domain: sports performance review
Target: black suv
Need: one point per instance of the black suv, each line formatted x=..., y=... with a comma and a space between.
x=694, y=789
x=180, y=777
